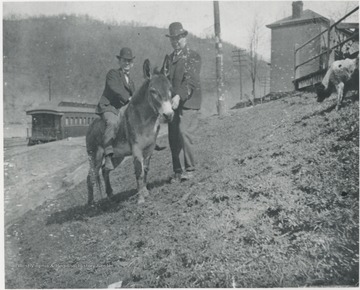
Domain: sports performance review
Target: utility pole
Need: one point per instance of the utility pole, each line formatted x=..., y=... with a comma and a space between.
x=221, y=107
x=264, y=81
x=239, y=57
x=49, y=77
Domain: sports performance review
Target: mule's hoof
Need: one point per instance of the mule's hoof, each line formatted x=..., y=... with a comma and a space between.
x=145, y=193
x=141, y=200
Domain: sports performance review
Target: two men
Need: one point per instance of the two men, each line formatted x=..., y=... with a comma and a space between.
x=185, y=78
x=118, y=91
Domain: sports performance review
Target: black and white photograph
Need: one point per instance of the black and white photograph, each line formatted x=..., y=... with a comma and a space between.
x=180, y=144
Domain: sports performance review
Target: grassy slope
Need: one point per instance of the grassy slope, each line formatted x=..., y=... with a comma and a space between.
x=275, y=204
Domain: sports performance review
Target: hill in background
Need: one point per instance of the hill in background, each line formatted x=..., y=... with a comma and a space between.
x=75, y=53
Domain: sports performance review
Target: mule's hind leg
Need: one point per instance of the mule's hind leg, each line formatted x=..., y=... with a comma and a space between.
x=146, y=168
x=340, y=94
x=90, y=187
x=93, y=177
x=106, y=175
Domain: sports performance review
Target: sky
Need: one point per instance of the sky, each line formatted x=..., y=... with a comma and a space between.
x=197, y=17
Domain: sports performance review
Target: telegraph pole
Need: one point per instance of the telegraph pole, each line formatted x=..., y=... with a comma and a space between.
x=49, y=77
x=221, y=108
x=239, y=57
x=263, y=82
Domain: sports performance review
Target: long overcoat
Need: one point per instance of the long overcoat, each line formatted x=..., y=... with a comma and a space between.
x=185, y=77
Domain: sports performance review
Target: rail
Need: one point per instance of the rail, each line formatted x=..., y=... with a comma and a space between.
x=328, y=50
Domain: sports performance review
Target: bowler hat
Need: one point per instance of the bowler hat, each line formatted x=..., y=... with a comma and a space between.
x=126, y=53
x=176, y=29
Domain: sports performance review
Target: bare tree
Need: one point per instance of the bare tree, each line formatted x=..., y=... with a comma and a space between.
x=254, y=57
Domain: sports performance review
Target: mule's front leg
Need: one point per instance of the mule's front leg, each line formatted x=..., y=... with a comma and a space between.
x=146, y=168
x=340, y=94
x=140, y=178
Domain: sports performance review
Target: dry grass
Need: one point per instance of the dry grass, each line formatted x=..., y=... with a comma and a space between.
x=275, y=204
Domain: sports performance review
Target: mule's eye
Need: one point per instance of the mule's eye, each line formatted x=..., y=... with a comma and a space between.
x=153, y=91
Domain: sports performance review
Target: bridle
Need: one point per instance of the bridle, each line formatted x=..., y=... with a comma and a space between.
x=151, y=101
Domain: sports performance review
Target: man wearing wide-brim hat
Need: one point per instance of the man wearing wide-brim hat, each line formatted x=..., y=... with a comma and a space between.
x=118, y=91
x=185, y=78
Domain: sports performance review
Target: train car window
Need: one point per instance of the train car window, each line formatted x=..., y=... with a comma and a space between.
x=36, y=121
x=66, y=121
x=80, y=121
x=47, y=120
x=72, y=121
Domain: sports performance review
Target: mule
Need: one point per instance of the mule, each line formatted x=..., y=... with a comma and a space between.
x=342, y=76
x=136, y=134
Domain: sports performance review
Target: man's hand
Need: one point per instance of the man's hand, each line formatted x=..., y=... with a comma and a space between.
x=175, y=102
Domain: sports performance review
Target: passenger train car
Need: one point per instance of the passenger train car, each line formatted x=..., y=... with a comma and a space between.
x=55, y=121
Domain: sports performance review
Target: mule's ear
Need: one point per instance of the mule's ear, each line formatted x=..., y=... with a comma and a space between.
x=165, y=70
x=147, y=69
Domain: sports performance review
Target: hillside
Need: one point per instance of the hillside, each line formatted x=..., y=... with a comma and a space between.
x=77, y=51
x=275, y=203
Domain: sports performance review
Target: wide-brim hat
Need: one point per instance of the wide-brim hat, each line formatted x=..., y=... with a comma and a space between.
x=126, y=53
x=176, y=29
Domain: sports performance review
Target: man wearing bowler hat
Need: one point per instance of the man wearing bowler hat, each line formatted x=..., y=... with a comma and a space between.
x=185, y=78
x=117, y=93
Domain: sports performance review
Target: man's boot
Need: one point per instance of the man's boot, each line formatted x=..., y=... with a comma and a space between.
x=108, y=163
x=159, y=148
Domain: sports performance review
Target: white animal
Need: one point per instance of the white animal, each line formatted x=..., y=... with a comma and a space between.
x=342, y=76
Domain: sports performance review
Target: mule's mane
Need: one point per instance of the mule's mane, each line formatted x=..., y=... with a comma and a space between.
x=156, y=71
x=141, y=93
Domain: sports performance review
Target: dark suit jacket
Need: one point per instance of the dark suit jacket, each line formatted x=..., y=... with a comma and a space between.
x=185, y=78
x=116, y=93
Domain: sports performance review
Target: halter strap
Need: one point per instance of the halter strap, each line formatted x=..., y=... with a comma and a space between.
x=152, y=105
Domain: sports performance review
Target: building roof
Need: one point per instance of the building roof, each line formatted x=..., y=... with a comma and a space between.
x=54, y=107
x=306, y=16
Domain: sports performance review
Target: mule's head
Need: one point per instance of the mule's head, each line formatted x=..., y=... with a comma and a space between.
x=160, y=90
x=321, y=93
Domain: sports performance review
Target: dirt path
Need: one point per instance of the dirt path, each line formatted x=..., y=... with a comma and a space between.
x=35, y=174
x=38, y=173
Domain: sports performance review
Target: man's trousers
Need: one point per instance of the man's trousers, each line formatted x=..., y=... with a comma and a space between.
x=182, y=131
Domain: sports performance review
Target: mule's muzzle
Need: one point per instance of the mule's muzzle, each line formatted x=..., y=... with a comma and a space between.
x=168, y=116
